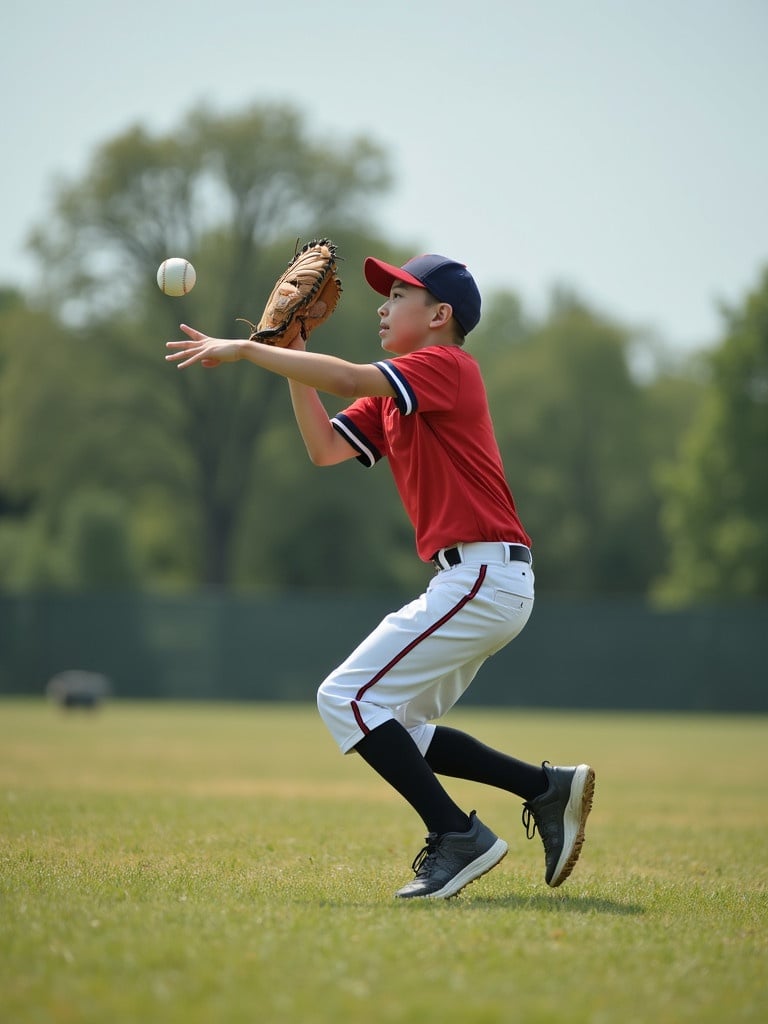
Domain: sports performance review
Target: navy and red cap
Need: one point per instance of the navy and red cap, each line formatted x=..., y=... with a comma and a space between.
x=446, y=279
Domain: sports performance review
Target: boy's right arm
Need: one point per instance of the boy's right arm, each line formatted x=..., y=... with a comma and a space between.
x=325, y=446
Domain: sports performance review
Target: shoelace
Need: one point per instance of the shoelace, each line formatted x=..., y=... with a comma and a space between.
x=529, y=822
x=546, y=828
x=425, y=853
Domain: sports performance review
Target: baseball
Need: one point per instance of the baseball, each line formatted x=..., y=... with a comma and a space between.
x=176, y=276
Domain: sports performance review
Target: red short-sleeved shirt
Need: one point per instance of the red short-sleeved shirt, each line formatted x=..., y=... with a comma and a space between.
x=438, y=437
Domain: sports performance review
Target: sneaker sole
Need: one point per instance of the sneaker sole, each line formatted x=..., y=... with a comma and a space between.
x=479, y=867
x=575, y=818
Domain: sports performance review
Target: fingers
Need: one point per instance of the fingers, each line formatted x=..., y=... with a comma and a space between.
x=200, y=348
x=185, y=346
x=190, y=353
x=190, y=350
x=194, y=358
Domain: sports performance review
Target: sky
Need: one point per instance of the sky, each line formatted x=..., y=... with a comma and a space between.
x=615, y=147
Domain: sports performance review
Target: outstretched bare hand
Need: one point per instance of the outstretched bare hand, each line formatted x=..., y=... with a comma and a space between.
x=199, y=348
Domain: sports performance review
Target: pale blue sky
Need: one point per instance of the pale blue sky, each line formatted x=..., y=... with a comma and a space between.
x=618, y=147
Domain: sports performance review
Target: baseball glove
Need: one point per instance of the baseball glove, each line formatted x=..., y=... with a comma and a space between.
x=304, y=296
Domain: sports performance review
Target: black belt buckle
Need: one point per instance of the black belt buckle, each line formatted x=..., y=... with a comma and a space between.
x=451, y=556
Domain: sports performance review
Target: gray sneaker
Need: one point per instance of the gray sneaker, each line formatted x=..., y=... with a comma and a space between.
x=450, y=861
x=560, y=814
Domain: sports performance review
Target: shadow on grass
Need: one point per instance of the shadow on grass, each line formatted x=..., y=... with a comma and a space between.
x=559, y=904
x=537, y=901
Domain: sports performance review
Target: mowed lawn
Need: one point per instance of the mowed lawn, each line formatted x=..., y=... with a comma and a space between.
x=189, y=863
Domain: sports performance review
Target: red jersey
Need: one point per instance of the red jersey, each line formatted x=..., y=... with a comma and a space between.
x=438, y=437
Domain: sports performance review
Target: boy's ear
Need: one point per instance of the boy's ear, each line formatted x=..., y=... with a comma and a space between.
x=442, y=313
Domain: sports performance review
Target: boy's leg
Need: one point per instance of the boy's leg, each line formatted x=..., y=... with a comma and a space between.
x=408, y=672
x=418, y=661
x=461, y=756
x=393, y=755
x=560, y=815
x=459, y=848
x=557, y=800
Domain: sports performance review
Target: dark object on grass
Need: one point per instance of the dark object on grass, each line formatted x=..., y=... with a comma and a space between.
x=77, y=688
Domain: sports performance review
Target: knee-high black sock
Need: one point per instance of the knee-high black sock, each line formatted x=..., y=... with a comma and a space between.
x=391, y=752
x=462, y=756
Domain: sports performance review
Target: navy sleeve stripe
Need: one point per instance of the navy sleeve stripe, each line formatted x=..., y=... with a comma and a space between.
x=369, y=453
x=405, y=397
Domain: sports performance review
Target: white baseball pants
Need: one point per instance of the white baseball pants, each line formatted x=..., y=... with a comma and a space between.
x=419, y=660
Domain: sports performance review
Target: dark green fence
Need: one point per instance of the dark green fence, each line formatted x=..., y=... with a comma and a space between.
x=612, y=654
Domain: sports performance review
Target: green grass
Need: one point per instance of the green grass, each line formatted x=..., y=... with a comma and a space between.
x=190, y=864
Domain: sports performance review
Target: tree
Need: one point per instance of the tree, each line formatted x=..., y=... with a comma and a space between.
x=716, y=489
x=227, y=193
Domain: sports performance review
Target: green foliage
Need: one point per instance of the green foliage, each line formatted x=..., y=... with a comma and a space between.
x=716, y=489
x=89, y=546
x=10, y=298
x=96, y=535
x=182, y=864
x=28, y=557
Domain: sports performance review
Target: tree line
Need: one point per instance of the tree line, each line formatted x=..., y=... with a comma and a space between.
x=635, y=472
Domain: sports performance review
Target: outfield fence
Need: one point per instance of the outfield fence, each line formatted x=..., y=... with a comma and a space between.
x=611, y=654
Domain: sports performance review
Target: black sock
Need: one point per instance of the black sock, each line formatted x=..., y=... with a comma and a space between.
x=391, y=752
x=462, y=756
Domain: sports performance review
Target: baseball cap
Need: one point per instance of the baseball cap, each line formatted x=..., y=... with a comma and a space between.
x=446, y=279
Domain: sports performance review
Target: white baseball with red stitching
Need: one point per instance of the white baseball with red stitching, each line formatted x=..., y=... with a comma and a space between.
x=176, y=276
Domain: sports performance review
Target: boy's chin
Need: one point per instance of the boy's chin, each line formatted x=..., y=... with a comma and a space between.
x=391, y=346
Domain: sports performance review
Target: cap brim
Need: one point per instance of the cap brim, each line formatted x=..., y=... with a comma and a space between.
x=381, y=276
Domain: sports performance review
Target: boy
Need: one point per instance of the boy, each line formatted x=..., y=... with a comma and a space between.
x=425, y=410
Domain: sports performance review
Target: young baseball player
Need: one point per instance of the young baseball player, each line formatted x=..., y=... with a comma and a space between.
x=423, y=408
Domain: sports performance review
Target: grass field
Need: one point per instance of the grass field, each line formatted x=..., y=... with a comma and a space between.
x=194, y=863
